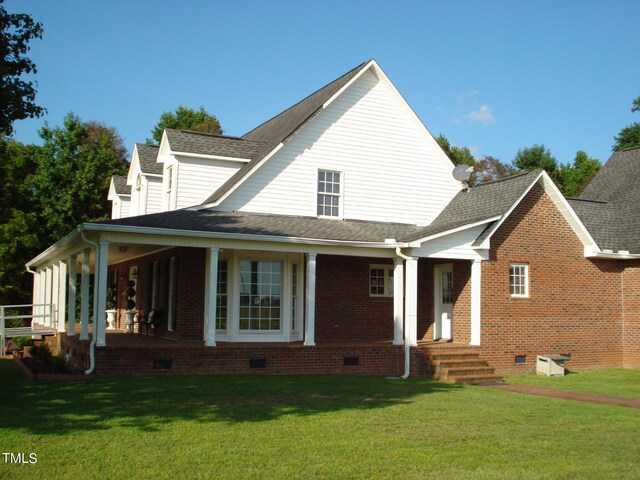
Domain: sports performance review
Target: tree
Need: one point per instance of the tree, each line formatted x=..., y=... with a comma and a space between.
x=535, y=157
x=75, y=165
x=17, y=96
x=489, y=169
x=458, y=155
x=629, y=136
x=19, y=226
x=573, y=179
x=187, y=119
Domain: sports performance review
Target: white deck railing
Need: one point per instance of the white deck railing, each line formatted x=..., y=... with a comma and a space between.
x=41, y=318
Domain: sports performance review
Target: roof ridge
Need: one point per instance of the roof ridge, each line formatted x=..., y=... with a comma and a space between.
x=586, y=200
x=510, y=177
x=207, y=134
x=628, y=148
x=308, y=96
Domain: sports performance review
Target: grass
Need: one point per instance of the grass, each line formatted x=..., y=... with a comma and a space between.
x=615, y=383
x=306, y=427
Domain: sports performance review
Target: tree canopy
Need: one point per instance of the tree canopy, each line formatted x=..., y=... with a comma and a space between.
x=629, y=136
x=186, y=119
x=48, y=190
x=17, y=96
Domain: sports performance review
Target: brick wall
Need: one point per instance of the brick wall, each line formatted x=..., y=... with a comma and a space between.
x=344, y=309
x=574, y=304
x=189, y=298
x=631, y=316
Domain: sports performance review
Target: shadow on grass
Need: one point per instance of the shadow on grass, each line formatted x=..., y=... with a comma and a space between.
x=146, y=403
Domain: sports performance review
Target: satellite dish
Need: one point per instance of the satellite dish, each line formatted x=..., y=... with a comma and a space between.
x=462, y=172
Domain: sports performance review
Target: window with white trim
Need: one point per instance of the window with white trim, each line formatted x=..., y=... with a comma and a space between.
x=139, y=195
x=222, y=295
x=329, y=193
x=519, y=279
x=381, y=280
x=169, y=186
x=260, y=292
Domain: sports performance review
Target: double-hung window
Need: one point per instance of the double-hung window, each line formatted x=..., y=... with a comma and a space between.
x=519, y=280
x=329, y=193
x=169, y=187
x=381, y=280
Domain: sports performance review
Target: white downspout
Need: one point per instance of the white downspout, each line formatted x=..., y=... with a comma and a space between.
x=94, y=338
x=407, y=340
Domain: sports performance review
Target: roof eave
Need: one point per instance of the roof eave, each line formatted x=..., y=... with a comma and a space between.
x=98, y=227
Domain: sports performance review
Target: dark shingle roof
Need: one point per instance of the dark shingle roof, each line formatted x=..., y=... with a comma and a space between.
x=120, y=185
x=273, y=225
x=148, y=155
x=210, y=144
x=481, y=202
x=610, y=205
x=282, y=126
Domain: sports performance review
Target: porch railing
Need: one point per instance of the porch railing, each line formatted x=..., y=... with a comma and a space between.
x=41, y=317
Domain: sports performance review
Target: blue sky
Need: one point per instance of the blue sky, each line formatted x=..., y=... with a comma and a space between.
x=496, y=76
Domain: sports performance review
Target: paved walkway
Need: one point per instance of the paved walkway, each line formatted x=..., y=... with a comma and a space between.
x=569, y=395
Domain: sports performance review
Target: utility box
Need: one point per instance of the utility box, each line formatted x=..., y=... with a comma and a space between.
x=551, y=364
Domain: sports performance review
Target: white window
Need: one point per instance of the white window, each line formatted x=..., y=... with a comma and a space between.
x=169, y=186
x=329, y=193
x=222, y=295
x=139, y=194
x=260, y=292
x=381, y=280
x=519, y=279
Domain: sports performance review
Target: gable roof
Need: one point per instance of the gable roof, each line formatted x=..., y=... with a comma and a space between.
x=277, y=130
x=609, y=206
x=120, y=185
x=147, y=156
x=484, y=202
x=185, y=141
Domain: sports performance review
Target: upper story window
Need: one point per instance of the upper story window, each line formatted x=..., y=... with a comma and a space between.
x=139, y=194
x=519, y=279
x=169, y=187
x=329, y=193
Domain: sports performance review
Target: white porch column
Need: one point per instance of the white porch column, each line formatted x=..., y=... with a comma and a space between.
x=411, y=302
x=210, y=297
x=47, y=320
x=310, y=323
x=35, y=299
x=99, y=315
x=55, y=294
x=476, y=292
x=398, y=301
x=71, y=299
x=85, y=279
x=62, y=296
x=42, y=288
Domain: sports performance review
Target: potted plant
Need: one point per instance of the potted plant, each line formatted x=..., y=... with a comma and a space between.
x=111, y=307
x=131, y=307
x=111, y=315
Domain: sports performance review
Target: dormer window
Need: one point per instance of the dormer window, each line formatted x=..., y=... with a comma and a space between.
x=169, y=185
x=329, y=193
x=139, y=193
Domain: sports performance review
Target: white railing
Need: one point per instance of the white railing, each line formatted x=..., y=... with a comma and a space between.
x=42, y=321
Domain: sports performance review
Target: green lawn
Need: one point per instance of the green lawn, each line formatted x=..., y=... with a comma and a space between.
x=306, y=427
x=616, y=383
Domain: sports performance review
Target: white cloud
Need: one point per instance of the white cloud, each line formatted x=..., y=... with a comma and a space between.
x=483, y=115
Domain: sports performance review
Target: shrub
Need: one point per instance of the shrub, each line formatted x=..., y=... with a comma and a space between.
x=22, y=341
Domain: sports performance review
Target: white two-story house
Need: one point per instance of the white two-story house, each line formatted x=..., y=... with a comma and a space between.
x=331, y=236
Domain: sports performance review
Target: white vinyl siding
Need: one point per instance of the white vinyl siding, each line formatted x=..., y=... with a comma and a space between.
x=198, y=178
x=395, y=169
x=154, y=194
